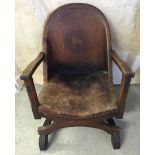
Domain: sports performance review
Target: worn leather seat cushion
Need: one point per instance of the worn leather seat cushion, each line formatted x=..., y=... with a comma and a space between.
x=78, y=96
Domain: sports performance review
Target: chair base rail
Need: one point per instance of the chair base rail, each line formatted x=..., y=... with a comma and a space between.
x=108, y=126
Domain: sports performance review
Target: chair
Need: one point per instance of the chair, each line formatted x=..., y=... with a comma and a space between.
x=77, y=69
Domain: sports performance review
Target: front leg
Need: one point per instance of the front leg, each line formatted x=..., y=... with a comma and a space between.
x=115, y=136
x=43, y=138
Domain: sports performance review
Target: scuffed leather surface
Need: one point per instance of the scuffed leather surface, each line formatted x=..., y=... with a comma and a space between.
x=82, y=96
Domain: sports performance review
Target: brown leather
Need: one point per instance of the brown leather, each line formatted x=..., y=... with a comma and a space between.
x=77, y=40
x=80, y=97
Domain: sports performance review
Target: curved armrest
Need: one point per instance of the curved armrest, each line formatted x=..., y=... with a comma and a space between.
x=127, y=74
x=28, y=81
x=122, y=65
x=29, y=70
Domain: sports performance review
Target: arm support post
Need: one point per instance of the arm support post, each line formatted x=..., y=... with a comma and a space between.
x=127, y=74
x=28, y=80
x=32, y=97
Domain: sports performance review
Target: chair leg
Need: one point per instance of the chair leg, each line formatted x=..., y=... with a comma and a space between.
x=109, y=126
x=43, y=138
x=43, y=142
x=115, y=140
x=115, y=136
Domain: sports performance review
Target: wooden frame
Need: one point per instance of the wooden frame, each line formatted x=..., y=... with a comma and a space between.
x=28, y=81
x=104, y=122
x=48, y=128
x=127, y=74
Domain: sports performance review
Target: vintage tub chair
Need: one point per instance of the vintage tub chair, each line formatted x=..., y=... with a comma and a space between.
x=77, y=69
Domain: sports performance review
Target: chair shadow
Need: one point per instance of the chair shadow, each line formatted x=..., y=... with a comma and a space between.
x=60, y=146
x=52, y=137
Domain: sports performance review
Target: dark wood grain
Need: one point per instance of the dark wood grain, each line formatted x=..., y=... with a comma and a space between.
x=33, y=97
x=126, y=71
x=29, y=84
x=77, y=45
x=29, y=70
x=127, y=74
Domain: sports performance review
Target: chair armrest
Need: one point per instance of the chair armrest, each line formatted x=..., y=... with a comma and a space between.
x=127, y=74
x=29, y=70
x=29, y=84
x=122, y=65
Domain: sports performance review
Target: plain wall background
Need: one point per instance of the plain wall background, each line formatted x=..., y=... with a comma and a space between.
x=123, y=17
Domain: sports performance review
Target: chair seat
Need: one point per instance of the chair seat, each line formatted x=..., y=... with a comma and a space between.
x=78, y=97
